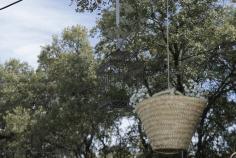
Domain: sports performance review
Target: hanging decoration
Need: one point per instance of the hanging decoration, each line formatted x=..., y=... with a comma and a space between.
x=169, y=118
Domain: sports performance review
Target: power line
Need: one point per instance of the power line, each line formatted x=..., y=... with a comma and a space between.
x=11, y=4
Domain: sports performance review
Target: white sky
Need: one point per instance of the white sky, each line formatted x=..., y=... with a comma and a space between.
x=30, y=24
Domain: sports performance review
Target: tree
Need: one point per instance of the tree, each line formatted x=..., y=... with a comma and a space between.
x=15, y=92
x=62, y=108
x=76, y=102
x=76, y=112
x=201, y=45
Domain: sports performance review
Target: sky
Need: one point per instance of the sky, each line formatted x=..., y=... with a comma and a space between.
x=30, y=24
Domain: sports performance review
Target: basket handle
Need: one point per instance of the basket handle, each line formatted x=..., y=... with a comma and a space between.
x=172, y=91
x=233, y=155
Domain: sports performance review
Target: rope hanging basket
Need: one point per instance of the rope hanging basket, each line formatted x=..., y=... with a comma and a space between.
x=169, y=120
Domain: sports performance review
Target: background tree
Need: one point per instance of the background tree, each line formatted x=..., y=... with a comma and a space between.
x=202, y=47
x=79, y=102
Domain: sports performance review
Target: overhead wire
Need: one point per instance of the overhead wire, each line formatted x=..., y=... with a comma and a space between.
x=11, y=4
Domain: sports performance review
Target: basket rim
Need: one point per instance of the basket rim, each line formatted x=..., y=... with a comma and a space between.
x=189, y=98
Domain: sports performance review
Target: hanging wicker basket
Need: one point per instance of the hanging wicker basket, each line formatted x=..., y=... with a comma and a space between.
x=169, y=120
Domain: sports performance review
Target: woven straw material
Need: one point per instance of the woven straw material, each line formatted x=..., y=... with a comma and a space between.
x=170, y=120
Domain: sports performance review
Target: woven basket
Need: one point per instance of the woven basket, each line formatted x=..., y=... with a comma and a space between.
x=170, y=120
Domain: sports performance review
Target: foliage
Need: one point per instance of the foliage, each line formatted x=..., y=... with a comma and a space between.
x=79, y=102
x=202, y=50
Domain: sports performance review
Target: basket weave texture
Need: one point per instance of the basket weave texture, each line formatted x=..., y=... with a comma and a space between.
x=170, y=120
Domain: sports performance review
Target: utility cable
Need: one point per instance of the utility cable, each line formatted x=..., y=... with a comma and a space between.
x=10, y=4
